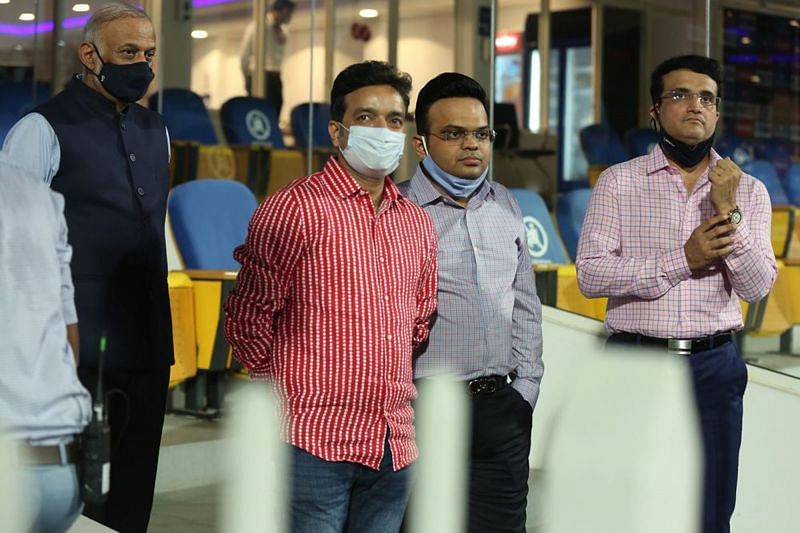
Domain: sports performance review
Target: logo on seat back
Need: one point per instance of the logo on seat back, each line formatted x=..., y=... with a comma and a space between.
x=537, y=237
x=258, y=125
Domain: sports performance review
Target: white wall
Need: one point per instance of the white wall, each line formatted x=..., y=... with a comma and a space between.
x=216, y=71
x=425, y=49
x=769, y=461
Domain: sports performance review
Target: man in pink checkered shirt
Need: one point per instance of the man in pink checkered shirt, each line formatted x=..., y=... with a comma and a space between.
x=674, y=239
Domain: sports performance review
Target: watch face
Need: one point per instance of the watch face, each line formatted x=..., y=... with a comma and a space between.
x=736, y=216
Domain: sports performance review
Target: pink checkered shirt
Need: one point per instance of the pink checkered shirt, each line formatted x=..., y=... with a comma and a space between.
x=631, y=250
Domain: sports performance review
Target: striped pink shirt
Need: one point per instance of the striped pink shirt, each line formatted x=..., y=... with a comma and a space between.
x=631, y=250
x=330, y=300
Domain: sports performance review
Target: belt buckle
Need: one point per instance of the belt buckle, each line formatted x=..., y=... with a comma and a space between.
x=481, y=385
x=679, y=346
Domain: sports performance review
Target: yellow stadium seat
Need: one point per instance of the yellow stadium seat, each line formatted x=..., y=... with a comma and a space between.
x=774, y=314
x=557, y=286
x=285, y=167
x=211, y=287
x=571, y=299
x=783, y=222
x=181, y=302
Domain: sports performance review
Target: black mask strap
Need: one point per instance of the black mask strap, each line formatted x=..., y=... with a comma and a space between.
x=680, y=152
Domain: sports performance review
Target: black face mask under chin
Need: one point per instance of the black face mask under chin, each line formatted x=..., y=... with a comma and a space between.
x=128, y=83
x=680, y=152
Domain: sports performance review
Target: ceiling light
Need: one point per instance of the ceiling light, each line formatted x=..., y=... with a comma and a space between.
x=746, y=40
x=199, y=34
x=368, y=13
x=794, y=23
x=27, y=16
x=5, y=1
x=81, y=8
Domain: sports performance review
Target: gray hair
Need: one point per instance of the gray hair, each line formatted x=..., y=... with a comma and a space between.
x=109, y=13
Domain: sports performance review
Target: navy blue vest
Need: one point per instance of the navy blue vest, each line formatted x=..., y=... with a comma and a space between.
x=114, y=175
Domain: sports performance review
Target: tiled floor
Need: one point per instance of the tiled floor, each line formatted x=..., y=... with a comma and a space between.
x=186, y=511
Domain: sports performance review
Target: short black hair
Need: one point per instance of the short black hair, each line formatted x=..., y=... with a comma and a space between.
x=446, y=85
x=365, y=74
x=700, y=64
x=283, y=4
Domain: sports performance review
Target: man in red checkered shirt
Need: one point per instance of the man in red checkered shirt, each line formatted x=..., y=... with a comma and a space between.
x=674, y=239
x=337, y=286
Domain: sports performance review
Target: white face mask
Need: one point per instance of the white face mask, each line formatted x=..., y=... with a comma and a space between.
x=373, y=152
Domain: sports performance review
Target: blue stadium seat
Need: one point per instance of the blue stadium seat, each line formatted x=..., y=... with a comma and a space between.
x=16, y=99
x=601, y=145
x=764, y=171
x=792, y=184
x=739, y=150
x=186, y=116
x=639, y=141
x=319, y=135
x=209, y=219
x=248, y=120
x=776, y=152
x=544, y=244
x=6, y=121
x=570, y=212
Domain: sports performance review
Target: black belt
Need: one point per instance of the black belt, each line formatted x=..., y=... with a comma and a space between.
x=488, y=384
x=679, y=346
x=50, y=455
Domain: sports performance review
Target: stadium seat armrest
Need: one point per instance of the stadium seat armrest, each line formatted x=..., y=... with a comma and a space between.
x=212, y=274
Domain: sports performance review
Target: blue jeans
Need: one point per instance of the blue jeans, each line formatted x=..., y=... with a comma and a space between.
x=54, y=496
x=333, y=497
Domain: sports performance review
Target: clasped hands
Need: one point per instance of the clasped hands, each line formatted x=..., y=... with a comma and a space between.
x=712, y=240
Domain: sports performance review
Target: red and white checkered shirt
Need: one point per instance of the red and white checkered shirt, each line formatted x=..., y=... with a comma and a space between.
x=330, y=301
x=631, y=250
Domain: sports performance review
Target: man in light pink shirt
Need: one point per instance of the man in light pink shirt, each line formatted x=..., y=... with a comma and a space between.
x=674, y=239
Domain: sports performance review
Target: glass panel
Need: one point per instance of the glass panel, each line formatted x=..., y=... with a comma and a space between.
x=426, y=30
x=761, y=90
x=577, y=110
x=622, y=29
x=218, y=32
x=361, y=32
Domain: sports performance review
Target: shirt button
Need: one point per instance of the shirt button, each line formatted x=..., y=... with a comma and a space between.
x=386, y=298
x=132, y=157
x=388, y=337
x=140, y=191
x=381, y=259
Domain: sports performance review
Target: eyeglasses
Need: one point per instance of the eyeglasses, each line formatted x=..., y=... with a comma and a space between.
x=483, y=135
x=706, y=99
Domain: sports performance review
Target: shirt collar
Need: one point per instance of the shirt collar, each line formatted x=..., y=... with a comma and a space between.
x=344, y=185
x=656, y=160
x=425, y=193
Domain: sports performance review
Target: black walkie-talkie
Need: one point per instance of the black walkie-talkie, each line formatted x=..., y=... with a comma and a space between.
x=96, y=445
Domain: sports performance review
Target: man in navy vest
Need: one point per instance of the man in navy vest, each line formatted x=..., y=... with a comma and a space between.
x=109, y=157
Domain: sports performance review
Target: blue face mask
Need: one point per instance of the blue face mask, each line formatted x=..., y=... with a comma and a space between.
x=453, y=185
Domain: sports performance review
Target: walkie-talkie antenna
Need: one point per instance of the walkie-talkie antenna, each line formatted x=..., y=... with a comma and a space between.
x=99, y=405
x=96, y=444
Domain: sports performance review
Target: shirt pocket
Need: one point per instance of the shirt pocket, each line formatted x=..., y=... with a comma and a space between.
x=497, y=260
